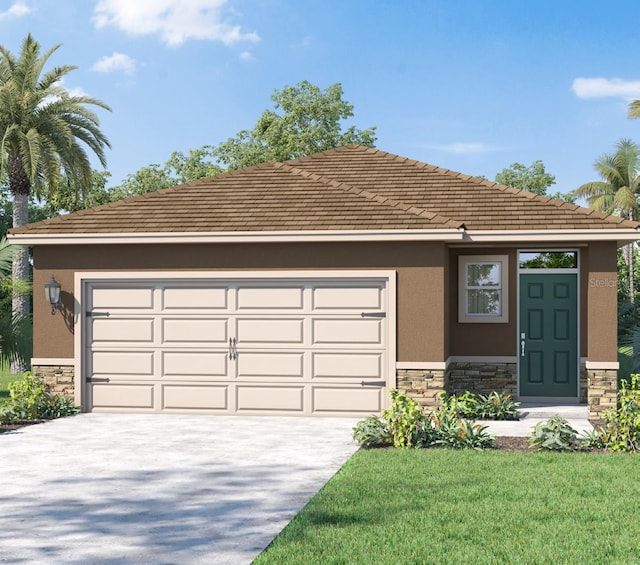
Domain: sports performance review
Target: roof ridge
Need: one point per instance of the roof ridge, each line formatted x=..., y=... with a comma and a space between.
x=371, y=196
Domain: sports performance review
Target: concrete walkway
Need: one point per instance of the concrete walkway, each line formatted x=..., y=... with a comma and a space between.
x=120, y=489
x=531, y=414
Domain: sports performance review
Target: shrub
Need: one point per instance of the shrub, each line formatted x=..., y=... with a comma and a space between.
x=461, y=405
x=372, y=432
x=622, y=426
x=594, y=439
x=459, y=433
x=408, y=425
x=494, y=406
x=30, y=399
x=554, y=434
x=405, y=425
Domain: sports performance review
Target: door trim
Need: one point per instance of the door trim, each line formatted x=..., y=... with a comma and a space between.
x=575, y=271
x=83, y=279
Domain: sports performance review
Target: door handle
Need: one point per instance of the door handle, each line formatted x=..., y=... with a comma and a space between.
x=233, y=352
x=522, y=344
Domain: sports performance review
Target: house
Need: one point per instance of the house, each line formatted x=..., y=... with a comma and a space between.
x=312, y=286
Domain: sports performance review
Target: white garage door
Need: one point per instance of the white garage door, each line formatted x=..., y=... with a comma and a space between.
x=250, y=346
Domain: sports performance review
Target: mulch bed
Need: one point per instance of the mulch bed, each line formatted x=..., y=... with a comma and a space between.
x=18, y=425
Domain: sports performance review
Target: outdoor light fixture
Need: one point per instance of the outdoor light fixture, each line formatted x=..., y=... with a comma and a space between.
x=52, y=293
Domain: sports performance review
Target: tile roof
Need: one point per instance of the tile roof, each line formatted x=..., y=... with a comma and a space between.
x=347, y=188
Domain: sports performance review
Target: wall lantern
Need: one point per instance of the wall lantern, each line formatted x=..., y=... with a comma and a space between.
x=52, y=293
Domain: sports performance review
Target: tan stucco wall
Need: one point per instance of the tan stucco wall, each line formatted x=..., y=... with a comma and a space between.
x=601, y=293
x=427, y=293
x=420, y=281
x=483, y=339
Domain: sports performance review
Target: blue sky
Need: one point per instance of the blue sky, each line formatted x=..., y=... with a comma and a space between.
x=468, y=85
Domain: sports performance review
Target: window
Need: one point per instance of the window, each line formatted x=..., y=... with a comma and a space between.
x=483, y=288
x=548, y=259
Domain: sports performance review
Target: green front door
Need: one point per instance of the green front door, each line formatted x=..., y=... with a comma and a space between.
x=548, y=335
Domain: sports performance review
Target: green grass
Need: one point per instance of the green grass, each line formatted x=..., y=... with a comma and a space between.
x=6, y=377
x=440, y=506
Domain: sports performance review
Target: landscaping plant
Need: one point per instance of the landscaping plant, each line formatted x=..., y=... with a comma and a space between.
x=622, y=425
x=494, y=406
x=459, y=433
x=372, y=432
x=554, y=434
x=405, y=425
x=31, y=399
x=408, y=425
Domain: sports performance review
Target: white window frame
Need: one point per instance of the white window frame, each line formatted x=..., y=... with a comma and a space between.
x=463, y=316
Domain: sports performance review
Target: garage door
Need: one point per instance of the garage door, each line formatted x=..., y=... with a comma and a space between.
x=305, y=346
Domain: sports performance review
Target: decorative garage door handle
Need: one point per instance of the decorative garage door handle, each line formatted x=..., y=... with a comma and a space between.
x=233, y=350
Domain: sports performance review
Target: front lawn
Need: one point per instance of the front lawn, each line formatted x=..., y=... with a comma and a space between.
x=441, y=506
x=6, y=377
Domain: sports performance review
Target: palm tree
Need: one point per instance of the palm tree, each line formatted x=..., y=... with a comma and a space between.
x=15, y=332
x=634, y=109
x=44, y=131
x=618, y=190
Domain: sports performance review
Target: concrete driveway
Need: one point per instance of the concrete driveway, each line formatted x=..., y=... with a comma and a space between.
x=113, y=488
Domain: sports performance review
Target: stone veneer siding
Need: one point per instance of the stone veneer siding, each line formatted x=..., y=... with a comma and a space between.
x=483, y=378
x=423, y=385
x=602, y=391
x=59, y=378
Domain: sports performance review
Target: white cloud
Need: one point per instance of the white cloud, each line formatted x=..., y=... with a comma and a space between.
x=247, y=56
x=175, y=21
x=118, y=62
x=16, y=10
x=606, y=88
x=463, y=148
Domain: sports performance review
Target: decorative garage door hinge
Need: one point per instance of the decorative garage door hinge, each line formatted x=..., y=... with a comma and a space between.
x=373, y=383
x=97, y=379
x=373, y=314
x=98, y=314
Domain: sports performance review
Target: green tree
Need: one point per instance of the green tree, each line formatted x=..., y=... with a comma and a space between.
x=617, y=191
x=634, y=109
x=147, y=179
x=533, y=178
x=44, y=130
x=304, y=120
x=196, y=164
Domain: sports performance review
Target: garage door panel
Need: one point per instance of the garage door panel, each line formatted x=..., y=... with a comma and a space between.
x=347, y=365
x=122, y=396
x=114, y=298
x=270, y=330
x=347, y=331
x=347, y=298
x=342, y=399
x=130, y=363
x=195, y=331
x=122, y=330
x=176, y=364
x=269, y=398
x=195, y=298
x=247, y=346
x=195, y=397
x=287, y=365
x=270, y=298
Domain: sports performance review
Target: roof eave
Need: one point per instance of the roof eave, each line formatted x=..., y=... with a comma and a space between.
x=622, y=236
x=31, y=239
